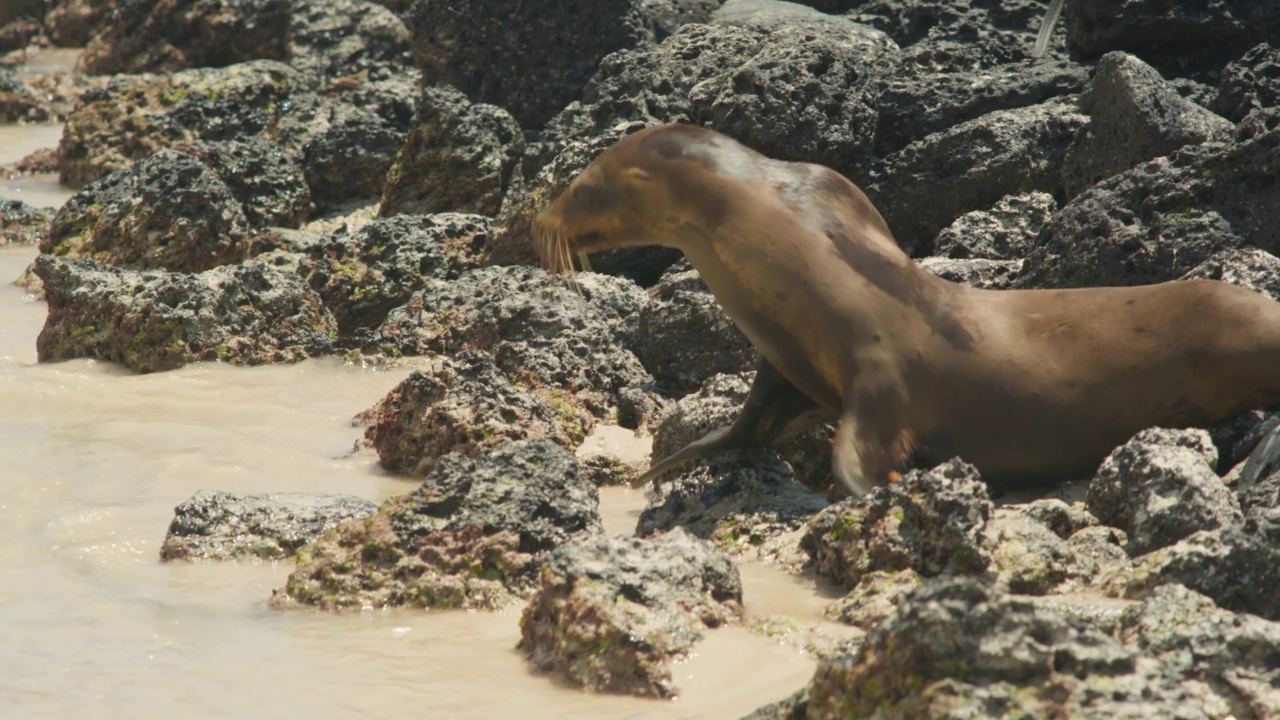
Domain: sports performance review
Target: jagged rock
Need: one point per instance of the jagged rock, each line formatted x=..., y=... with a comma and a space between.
x=159, y=36
x=465, y=405
x=1004, y=232
x=876, y=596
x=1249, y=84
x=170, y=211
x=930, y=522
x=576, y=343
x=1234, y=565
x=151, y=321
x=1232, y=658
x=989, y=274
x=737, y=501
x=957, y=649
x=1247, y=267
x=364, y=274
x=1161, y=487
x=473, y=535
x=346, y=40
x=1006, y=29
x=214, y=525
x=1029, y=557
x=940, y=83
x=613, y=614
x=924, y=187
x=1164, y=217
x=1062, y=519
x=539, y=57
x=1134, y=115
x=686, y=337
x=71, y=23
x=1175, y=37
x=457, y=157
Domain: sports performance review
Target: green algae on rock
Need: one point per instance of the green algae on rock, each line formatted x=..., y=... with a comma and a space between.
x=151, y=321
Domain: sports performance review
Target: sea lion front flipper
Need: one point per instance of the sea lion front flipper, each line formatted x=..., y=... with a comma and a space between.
x=867, y=441
x=774, y=409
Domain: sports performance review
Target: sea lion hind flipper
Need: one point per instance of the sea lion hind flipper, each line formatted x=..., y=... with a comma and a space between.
x=1263, y=461
x=775, y=409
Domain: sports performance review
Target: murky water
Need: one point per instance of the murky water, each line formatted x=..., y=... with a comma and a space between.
x=93, y=460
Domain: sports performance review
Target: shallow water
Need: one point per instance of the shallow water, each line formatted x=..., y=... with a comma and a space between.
x=94, y=459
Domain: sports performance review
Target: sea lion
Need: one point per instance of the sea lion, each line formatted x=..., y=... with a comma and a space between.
x=1031, y=386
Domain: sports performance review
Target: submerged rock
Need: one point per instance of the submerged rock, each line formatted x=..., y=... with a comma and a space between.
x=151, y=321
x=737, y=500
x=22, y=224
x=614, y=614
x=215, y=525
x=473, y=535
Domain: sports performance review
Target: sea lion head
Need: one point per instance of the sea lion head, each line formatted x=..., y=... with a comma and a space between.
x=650, y=188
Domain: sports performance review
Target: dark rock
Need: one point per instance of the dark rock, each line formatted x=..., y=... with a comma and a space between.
x=214, y=525
x=473, y=535
x=614, y=614
x=168, y=35
x=1003, y=232
x=1234, y=565
x=539, y=57
x=1178, y=38
x=1133, y=116
x=1161, y=487
x=261, y=176
x=1247, y=267
x=605, y=470
x=989, y=274
x=577, y=344
x=457, y=157
x=71, y=23
x=133, y=117
x=151, y=321
x=931, y=522
x=1102, y=551
x=686, y=337
x=927, y=185
x=717, y=404
x=365, y=274
x=737, y=501
x=793, y=93
x=465, y=405
x=793, y=707
x=22, y=224
x=1249, y=84
x=1233, y=658
x=940, y=83
x=1008, y=27
x=170, y=211
x=347, y=145
x=1161, y=219
x=346, y=40
x=957, y=649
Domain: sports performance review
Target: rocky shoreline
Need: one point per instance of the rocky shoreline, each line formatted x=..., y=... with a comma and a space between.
x=264, y=181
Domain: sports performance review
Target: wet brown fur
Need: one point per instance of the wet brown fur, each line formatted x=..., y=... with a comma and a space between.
x=1031, y=386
